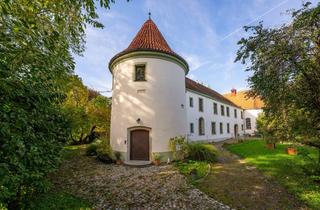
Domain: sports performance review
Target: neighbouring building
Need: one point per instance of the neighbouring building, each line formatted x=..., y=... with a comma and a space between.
x=153, y=101
x=252, y=108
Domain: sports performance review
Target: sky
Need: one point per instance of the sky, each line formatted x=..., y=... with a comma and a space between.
x=204, y=32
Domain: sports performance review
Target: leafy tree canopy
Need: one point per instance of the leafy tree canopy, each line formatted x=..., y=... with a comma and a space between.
x=285, y=63
x=36, y=41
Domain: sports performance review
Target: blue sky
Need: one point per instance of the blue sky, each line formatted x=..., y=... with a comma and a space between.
x=204, y=32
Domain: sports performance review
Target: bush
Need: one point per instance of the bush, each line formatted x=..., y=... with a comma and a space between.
x=193, y=169
x=178, y=147
x=201, y=152
x=104, y=152
x=91, y=150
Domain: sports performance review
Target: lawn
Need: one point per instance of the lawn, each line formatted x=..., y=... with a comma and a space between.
x=286, y=169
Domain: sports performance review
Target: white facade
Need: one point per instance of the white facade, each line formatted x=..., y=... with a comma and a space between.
x=251, y=116
x=157, y=104
x=150, y=101
x=236, y=124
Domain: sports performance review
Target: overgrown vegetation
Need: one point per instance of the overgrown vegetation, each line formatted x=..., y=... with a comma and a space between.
x=193, y=170
x=60, y=200
x=286, y=169
x=192, y=159
x=88, y=112
x=37, y=39
x=285, y=63
x=201, y=152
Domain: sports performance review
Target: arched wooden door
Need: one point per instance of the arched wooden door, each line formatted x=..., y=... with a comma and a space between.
x=139, y=145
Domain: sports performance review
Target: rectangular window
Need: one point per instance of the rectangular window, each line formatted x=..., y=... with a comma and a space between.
x=235, y=113
x=215, y=108
x=140, y=72
x=248, y=123
x=200, y=105
x=201, y=126
x=221, y=128
x=241, y=114
x=222, y=110
x=213, y=128
x=191, y=102
x=228, y=128
x=228, y=111
x=191, y=128
x=242, y=127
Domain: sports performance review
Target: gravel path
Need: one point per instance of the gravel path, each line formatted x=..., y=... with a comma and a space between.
x=124, y=187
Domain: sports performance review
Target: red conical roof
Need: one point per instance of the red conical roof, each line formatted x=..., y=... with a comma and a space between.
x=149, y=38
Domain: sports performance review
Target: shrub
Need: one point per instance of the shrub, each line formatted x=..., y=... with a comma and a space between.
x=178, y=147
x=91, y=150
x=156, y=156
x=201, y=152
x=117, y=155
x=104, y=152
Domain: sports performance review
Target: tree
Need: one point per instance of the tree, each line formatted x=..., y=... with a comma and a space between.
x=87, y=110
x=285, y=63
x=36, y=41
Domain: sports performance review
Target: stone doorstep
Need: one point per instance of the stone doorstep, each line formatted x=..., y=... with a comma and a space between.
x=137, y=162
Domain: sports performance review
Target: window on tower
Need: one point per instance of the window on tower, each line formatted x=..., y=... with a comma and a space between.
x=140, y=72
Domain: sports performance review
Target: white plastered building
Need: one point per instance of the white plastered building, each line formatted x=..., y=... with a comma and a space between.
x=153, y=101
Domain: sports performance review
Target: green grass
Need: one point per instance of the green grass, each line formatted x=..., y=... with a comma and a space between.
x=286, y=169
x=185, y=168
x=60, y=200
x=72, y=151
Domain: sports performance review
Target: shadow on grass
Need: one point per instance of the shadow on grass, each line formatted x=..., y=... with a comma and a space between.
x=286, y=169
x=60, y=200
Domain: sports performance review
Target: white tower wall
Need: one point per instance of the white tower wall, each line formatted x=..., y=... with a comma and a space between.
x=159, y=103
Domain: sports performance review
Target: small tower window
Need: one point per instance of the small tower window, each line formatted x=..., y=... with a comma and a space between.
x=140, y=72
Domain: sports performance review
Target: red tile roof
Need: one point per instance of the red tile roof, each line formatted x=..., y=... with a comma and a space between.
x=149, y=38
x=241, y=99
x=197, y=87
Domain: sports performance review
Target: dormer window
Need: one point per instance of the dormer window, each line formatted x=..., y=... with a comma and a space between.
x=140, y=72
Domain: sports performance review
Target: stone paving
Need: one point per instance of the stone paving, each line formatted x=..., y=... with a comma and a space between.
x=125, y=187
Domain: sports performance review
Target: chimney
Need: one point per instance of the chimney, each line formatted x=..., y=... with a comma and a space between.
x=233, y=92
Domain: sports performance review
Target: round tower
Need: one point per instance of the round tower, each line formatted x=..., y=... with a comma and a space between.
x=148, y=98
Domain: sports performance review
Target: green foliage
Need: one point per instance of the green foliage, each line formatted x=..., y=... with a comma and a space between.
x=117, y=155
x=201, y=152
x=91, y=150
x=286, y=169
x=60, y=200
x=285, y=63
x=311, y=165
x=104, y=151
x=36, y=41
x=156, y=156
x=88, y=111
x=193, y=170
x=178, y=147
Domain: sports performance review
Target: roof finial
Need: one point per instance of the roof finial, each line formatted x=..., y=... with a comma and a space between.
x=149, y=13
